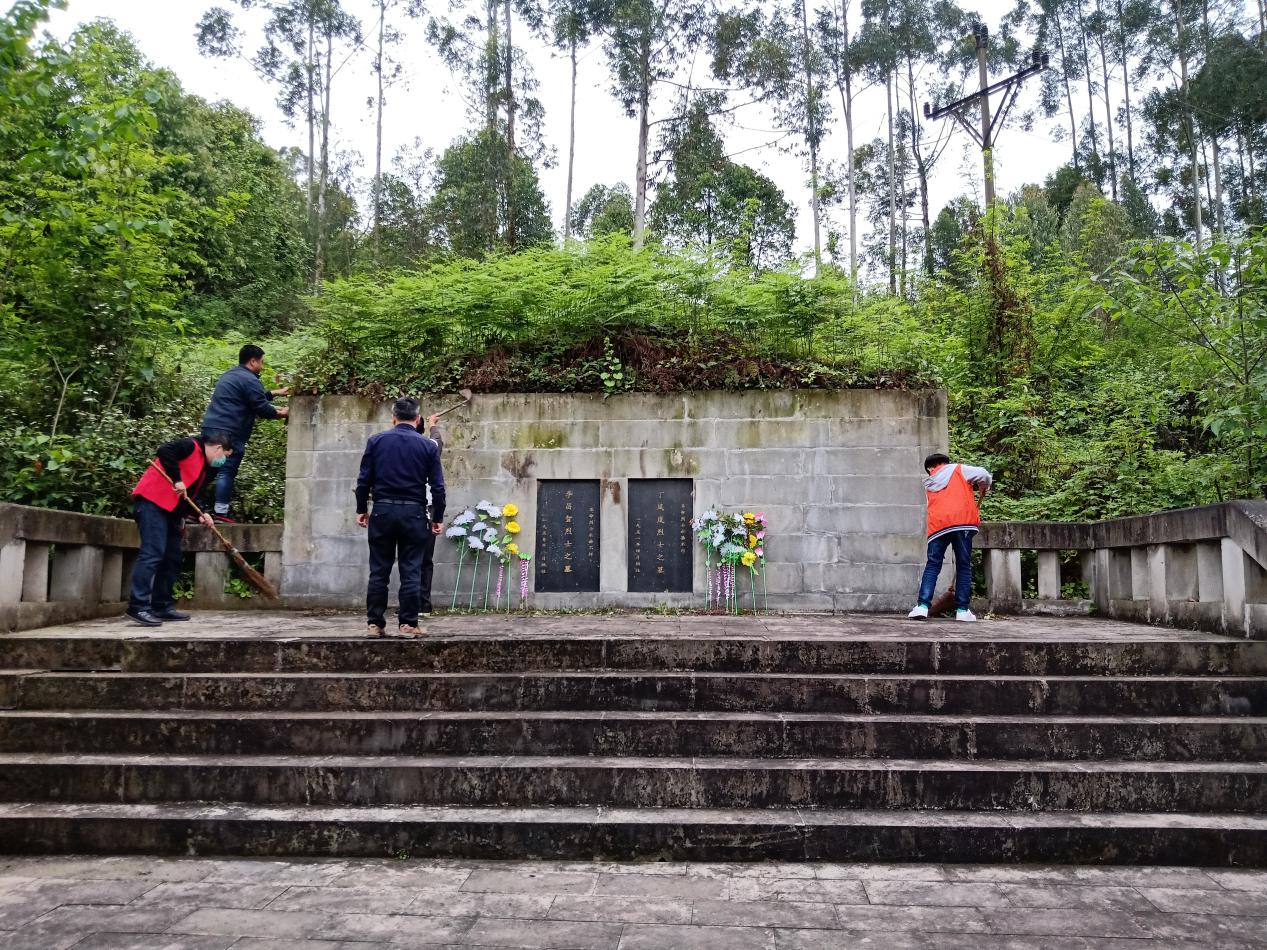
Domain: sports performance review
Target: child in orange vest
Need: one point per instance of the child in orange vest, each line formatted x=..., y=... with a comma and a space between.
x=953, y=518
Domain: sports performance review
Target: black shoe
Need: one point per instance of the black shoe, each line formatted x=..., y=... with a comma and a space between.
x=170, y=613
x=146, y=618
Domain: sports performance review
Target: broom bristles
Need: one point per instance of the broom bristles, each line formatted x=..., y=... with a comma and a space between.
x=253, y=577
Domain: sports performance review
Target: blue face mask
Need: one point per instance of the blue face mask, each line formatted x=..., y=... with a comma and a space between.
x=218, y=462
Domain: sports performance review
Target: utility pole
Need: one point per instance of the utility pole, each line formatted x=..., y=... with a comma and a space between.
x=958, y=110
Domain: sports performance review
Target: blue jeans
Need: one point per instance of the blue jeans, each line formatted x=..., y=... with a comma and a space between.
x=225, y=476
x=961, y=541
x=159, y=559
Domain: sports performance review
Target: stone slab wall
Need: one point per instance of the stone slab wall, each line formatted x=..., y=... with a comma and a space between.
x=838, y=474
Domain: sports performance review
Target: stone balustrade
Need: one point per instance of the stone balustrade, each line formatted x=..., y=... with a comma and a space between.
x=59, y=566
x=1203, y=568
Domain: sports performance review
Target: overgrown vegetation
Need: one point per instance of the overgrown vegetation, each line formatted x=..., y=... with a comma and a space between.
x=1103, y=349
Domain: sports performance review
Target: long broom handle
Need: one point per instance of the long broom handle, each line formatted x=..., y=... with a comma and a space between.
x=192, y=504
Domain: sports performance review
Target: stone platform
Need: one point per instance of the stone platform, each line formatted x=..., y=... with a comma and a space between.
x=131, y=903
x=638, y=736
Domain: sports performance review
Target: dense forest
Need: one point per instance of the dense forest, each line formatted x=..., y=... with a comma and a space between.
x=1102, y=334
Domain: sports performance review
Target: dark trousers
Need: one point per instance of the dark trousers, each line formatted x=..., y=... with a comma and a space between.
x=396, y=535
x=428, y=569
x=225, y=476
x=961, y=541
x=158, y=561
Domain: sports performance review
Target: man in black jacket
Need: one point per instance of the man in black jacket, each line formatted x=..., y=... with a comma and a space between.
x=162, y=495
x=397, y=470
x=239, y=399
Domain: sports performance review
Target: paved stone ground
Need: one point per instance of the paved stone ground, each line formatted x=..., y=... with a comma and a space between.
x=142, y=903
x=328, y=624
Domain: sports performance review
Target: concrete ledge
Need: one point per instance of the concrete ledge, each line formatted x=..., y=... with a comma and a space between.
x=65, y=527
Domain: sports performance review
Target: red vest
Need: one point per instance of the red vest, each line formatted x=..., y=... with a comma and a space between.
x=955, y=506
x=155, y=487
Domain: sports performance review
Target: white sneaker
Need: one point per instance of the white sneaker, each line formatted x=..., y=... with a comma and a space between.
x=966, y=616
x=919, y=613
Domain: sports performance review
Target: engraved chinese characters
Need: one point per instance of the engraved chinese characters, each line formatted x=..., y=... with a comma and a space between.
x=567, y=536
x=660, y=545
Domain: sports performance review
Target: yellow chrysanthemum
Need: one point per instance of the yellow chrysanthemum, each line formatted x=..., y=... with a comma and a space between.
x=513, y=527
x=510, y=510
x=512, y=548
x=749, y=516
x=752, y=540
x=748, y=559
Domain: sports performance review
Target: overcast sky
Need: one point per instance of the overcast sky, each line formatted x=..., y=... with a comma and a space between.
x=425, y=105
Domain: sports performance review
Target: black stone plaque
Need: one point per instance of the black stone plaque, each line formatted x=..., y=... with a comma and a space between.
x=567, y=536
x=660, y=543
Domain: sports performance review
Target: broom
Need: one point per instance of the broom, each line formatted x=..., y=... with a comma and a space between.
x=253, y=577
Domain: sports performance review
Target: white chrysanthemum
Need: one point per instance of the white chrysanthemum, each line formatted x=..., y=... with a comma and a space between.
x=729, y=550
x=708, y=516
x=475, y=542
x=719, y=535
x=457, y=531
x=494, y=550
x=465, y=517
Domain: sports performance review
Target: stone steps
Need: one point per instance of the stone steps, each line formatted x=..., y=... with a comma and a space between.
x=817, y=655
x=697, y=834
x=747, y=742
x=588, y=732
x=623, y=691
x=637, y=782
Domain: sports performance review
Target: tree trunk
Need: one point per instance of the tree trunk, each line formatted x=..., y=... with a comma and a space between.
x=1113, y=148
x=567, y=214
x=1064, y=75
x=1219, y=223
x=644, y=108
x=844, y=84
x=378, y=134
x=888, y=90
x=920, y=168
x=1192, y=126
x=511, y=239
x=811, y=136
x=310, y=66
x=1086, y=71
x=492, y=54
x=318, y=270
x=1126, y=92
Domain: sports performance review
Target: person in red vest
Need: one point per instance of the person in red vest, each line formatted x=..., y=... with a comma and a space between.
x=953, y=518
x=177, y=473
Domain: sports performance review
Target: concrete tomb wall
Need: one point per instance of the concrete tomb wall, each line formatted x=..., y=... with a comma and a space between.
x=837, y=474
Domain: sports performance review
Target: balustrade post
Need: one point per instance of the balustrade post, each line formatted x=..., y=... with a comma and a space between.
x=1003, y=580
x=1234, y=584
x=12, y=567
x=1049, y=575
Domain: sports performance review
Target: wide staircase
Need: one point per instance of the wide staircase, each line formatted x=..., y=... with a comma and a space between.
x=724, y=739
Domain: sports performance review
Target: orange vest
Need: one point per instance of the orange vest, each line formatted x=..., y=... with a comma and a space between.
x=155, y=487
x=955, y=506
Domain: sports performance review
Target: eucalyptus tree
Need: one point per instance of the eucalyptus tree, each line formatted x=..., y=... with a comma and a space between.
x=498, y=85
x=770, y=49
x=709, y=201
x=385, y=71
x=646, y=42
x=837, y=47
x=573, y=23
x=879, y=53
x=301, y=41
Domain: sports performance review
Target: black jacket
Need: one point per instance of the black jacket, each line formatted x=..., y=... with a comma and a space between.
x=401, y=464
x=239, y=399
x=170, y=455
